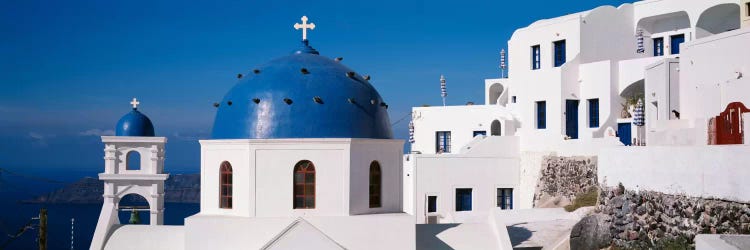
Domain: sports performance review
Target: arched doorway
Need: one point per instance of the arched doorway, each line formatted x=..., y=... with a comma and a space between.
x=495, y=128
x=718, y=19
x=495, y=91
x=133, y=209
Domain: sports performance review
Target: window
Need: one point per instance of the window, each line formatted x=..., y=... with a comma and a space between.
x=747, y=9
x=304, y=185
x=676, y=40
x=659, y=46
x=133, y=161
x=443, y=142
x=593, y=113
x=541, y=114
x=535, y=57
x=479, y=133
x=513, y=99
x=225, y=183
x=505, y=198
x=432, y=204
x=559, y=53
x=375, y=184
x=463, y=199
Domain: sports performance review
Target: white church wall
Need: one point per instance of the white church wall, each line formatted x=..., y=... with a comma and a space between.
x=275, y=168
x=715, y=72
x=461, y=121
x=238, y=154
x=388, y=155
x=701, y=171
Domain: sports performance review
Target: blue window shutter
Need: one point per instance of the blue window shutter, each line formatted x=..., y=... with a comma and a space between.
x=658, y=46
x=676, y=40
x=559, y=53
x=541, y=114
x=593, y=113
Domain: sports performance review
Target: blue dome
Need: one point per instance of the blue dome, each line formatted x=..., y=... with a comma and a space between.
x=303, y=95
x=134, y=123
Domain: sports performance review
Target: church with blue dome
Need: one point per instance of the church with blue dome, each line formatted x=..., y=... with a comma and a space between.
x=301, y=156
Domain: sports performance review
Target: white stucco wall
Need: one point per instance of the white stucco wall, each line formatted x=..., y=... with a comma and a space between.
x=440, y=175
x=708, y=74
x=699, y=171
x=263, y=172
x=461, y=121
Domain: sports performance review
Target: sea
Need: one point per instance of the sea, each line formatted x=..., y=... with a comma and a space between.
x=61, y=233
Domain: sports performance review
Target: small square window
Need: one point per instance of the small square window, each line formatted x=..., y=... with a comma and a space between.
x=513, y=99
x=443, y=142
x=505, y=198
x=747, y=9
x=463, y=199
x=431, y=204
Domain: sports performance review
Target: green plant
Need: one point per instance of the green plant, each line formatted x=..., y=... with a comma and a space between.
x=589, y=198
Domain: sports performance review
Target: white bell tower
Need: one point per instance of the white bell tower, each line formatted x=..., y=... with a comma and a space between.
x=133, y=164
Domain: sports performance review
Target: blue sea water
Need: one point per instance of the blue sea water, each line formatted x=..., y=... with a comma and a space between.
x=14, y=215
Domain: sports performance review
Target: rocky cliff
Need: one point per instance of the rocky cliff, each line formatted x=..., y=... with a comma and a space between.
x=179, y=188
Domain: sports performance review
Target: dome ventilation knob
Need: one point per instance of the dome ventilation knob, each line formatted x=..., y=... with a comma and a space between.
x=304, y=71
x=351, y=100
x=256, y=100
x=367, y=77
x=256, y=71
x=216, y=104
x=317, y=99
x=338, y=59
x=239, y=76
x=288, y=101
x=350, y=74
x=229, y=103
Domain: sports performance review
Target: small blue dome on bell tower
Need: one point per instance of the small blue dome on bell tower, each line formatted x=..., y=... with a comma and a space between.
x=134, y=123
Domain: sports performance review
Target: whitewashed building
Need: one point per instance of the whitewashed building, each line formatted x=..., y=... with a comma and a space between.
x=572, y=86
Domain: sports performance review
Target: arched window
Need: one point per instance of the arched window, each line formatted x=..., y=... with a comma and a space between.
x=133, y=160
x=495, y=128
x=225, y=185
x=304, y=185
x=375, y=184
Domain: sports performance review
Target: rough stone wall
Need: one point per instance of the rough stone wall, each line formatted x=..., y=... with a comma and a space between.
x=562, y=178
x=647, y=219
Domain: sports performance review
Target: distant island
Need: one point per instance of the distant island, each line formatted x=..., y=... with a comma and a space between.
x=179, y=188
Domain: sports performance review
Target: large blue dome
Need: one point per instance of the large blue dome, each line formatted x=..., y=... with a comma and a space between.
x=134, y=123
x=303, y=95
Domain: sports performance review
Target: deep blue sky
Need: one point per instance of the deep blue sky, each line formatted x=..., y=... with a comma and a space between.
x=69, y=68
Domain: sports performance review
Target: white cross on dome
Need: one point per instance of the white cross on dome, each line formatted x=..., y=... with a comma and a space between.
x=304, y=26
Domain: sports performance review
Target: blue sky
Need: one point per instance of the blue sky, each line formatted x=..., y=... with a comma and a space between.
x=69, y=68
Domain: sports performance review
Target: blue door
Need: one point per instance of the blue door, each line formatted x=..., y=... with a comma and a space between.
x=623, y=131
x=571, y=118
x=675, y=44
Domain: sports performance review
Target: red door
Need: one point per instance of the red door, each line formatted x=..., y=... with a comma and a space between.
x=729, y=124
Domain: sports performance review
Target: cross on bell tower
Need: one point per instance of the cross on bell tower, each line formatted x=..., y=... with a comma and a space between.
x=304, y=26
x=135, y=103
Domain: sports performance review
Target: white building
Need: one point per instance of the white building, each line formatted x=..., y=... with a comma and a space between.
x=572, y=85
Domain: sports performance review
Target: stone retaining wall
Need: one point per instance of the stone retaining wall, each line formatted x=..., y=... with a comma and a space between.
x=648, y=219
x=562, y=178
